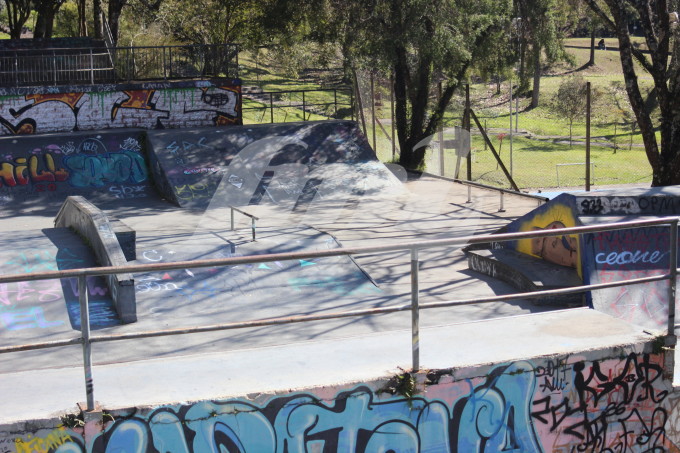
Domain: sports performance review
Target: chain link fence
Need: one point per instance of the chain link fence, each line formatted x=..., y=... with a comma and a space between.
x=537, y=152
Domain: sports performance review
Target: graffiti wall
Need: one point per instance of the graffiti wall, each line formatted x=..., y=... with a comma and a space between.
x=158, y=105
x=618, y=405
x=111, y=164
x=563, y=250
x=290, y=163
x=628, y=254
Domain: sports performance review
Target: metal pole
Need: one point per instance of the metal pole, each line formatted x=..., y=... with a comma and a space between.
x=467, y=128
x=304, y=106
x=510, y=103
x=441, y=136
x=415, y=313
x=671, y=340
x=502, y=206
x=85, y=335
x=54, y=66
x=91, y=67
x=232, y=219
x=394, y=144
x=252, y=227
x=271, y=110
x=587, y=136
x=373, y=110
x=335, y=102
x=673, y=272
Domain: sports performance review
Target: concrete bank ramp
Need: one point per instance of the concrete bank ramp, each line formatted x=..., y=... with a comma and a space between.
x=38, y=311
x=609, y=256
x=291, y=164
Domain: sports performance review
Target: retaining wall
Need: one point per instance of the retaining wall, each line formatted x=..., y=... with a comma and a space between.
x=610, y=400
x=153, y=105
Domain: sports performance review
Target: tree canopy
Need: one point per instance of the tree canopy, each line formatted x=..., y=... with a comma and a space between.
x=659, y=25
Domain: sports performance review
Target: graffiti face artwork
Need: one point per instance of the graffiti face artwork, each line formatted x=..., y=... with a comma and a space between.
x=600, y=406
x=562, y=250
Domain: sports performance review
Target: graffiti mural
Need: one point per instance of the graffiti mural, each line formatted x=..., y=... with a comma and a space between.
x=564, y=249
x=147, y=106
x=611, y=405
x=109, y=163
x=627, y=254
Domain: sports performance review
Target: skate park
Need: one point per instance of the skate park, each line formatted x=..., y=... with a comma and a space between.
x=156, y=197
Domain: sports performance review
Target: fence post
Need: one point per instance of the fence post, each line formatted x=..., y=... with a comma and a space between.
x=170, y=58
x=587, y=136
x=415, y=313
x=304, y=107
x=91, y=67
x=85, y=337
x=54, y=66
x=16, y=69
x=373, y=111
x=252, y=227
x=394, y=143
x=335, y=102
x=671, y=340
x=271, y=107
x=232, y=218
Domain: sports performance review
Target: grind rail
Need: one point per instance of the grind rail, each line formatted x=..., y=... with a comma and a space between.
x=86, y=339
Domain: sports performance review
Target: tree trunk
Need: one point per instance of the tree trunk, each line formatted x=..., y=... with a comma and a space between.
x=115, y=8
x=591, y=62
x=537, y=76
x=82, y=18
x=97, y=19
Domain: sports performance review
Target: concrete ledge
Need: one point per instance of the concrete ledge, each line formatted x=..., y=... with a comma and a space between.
x=526, y=273
x=93, y=225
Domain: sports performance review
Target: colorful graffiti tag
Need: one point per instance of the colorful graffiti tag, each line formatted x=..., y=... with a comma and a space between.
x=110, y=163
x=624, y=255
x=146, y=106
x=613, y=405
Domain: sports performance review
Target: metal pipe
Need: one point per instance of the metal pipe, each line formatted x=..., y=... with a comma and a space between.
x=415, y=312
x=434, y=243
x=232, y=219
x=469, y=193
x=85, y=335
x=502, y=207
x=673, y=272
x=252, y=226
x=370, y=311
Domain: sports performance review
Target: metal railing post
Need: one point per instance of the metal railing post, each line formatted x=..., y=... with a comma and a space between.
x=252, y=226
x=671, y=340
x=271, y=107
x=469, y=200
x=85, y=337
x=335, y=102
x=54, y=66
x=232, y=219
x=304, y=106
x=16, y=69
x=91, y=67
x=415, y=313
x=673, y=272
x=502, y=205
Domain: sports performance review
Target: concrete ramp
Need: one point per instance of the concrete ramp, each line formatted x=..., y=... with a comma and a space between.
x=290, y=164
x=50, y=167
x=611, y=256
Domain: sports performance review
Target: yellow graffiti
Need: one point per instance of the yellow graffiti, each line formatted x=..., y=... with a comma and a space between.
x=562, y=250
x=51, y=442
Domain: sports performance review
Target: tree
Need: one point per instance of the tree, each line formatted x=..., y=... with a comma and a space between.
x=212, y=21
x=18, y=12
x=570, y=101
x=44, y=24
x=662, y=38
x=541, y=30
x=418, y=43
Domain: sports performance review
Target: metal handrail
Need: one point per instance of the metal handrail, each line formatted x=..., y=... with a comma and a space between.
x=304, y=105
x=414, y=306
